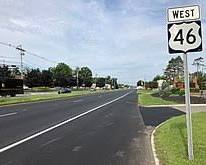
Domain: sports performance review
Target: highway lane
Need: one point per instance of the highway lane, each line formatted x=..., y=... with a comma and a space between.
x=112, y=134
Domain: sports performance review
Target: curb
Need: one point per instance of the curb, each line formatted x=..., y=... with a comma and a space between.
x=157, y=162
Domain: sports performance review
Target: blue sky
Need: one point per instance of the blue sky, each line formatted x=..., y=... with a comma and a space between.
x=126, y=39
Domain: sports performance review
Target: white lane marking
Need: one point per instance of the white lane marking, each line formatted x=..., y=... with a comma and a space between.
x=8, y=114
x=77, y=148
x=50, y=141
x=60, y=124
x=77, y=101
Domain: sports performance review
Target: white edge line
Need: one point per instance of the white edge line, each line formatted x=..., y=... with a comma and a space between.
x=157, y=162
x=60, y=124
x=8, y=114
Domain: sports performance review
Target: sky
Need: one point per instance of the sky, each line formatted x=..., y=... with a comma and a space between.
x=126, y=39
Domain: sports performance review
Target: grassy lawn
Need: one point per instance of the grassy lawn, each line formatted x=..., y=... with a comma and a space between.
x=41, y=97
x=171, y=141
x=145, y=98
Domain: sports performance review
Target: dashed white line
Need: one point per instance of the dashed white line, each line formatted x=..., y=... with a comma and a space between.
x=50, y=141
x=8, y=114
x=60, y=124
x=77, y=101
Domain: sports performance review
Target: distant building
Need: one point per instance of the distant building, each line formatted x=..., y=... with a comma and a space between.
x=160, y=83
x=93, y=86
x=108, y=86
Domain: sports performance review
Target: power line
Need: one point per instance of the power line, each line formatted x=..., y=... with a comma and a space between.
x=28, y=52
x=5, y=61
x=31, y=63
x=6, y=44
x=28, y=65
x=8, y=57
x=43, y=58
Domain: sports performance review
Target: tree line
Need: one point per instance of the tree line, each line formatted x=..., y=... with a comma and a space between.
x=62, y=75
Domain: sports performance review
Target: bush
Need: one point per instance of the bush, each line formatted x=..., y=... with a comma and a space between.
x=175, y=91
x=181, y=92
x=166, y=91
x=194, y=90
x=162, y=93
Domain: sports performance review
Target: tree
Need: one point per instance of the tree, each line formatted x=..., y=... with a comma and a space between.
x=158, y=77
x=61, y=73
x=32, y=78
x=85, y=74
x=100, y=82
x=174, y=70
x=108, y=80
x=47, y=78
x=5, y=72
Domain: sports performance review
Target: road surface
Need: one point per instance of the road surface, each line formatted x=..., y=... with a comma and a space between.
x=99, y=129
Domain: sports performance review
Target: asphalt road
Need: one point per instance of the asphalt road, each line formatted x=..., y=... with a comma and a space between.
x=100, y=129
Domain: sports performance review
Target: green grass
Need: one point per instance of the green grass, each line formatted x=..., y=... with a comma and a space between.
x=145, y=98
x=171, y=141
x=40, y=97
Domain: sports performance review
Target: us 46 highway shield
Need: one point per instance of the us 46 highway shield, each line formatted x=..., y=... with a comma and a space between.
x=184, y=37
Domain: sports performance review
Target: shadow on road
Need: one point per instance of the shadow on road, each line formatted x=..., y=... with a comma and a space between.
x=153, y=116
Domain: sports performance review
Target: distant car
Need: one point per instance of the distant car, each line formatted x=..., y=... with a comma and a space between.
x=64, y=90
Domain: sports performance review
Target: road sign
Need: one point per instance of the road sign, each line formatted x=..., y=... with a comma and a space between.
x=184, y=13
x=184, y=37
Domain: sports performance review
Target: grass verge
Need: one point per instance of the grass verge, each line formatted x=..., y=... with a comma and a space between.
x=43, y=97
x=146, y=98
x=171, y=141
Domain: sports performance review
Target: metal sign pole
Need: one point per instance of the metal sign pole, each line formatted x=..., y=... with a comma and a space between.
x=188, y=108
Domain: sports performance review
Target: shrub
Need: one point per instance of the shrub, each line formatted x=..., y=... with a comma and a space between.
x=175, y=91
x=181, y=92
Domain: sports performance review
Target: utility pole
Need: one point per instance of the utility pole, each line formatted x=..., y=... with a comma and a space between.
x=22, y=53
x=77, y=76
x=77, y=79
x=95, y=80
x=112, y=84
x=198, y=62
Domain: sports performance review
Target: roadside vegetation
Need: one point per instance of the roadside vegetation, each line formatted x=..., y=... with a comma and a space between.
x=168, y=88
x=159, y=97
x=61, y=75
x=171, y=141
x=146, y=98
x=42, y=97
x=38, y=85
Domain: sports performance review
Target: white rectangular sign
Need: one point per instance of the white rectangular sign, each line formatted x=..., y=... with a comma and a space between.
x=184, y=13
